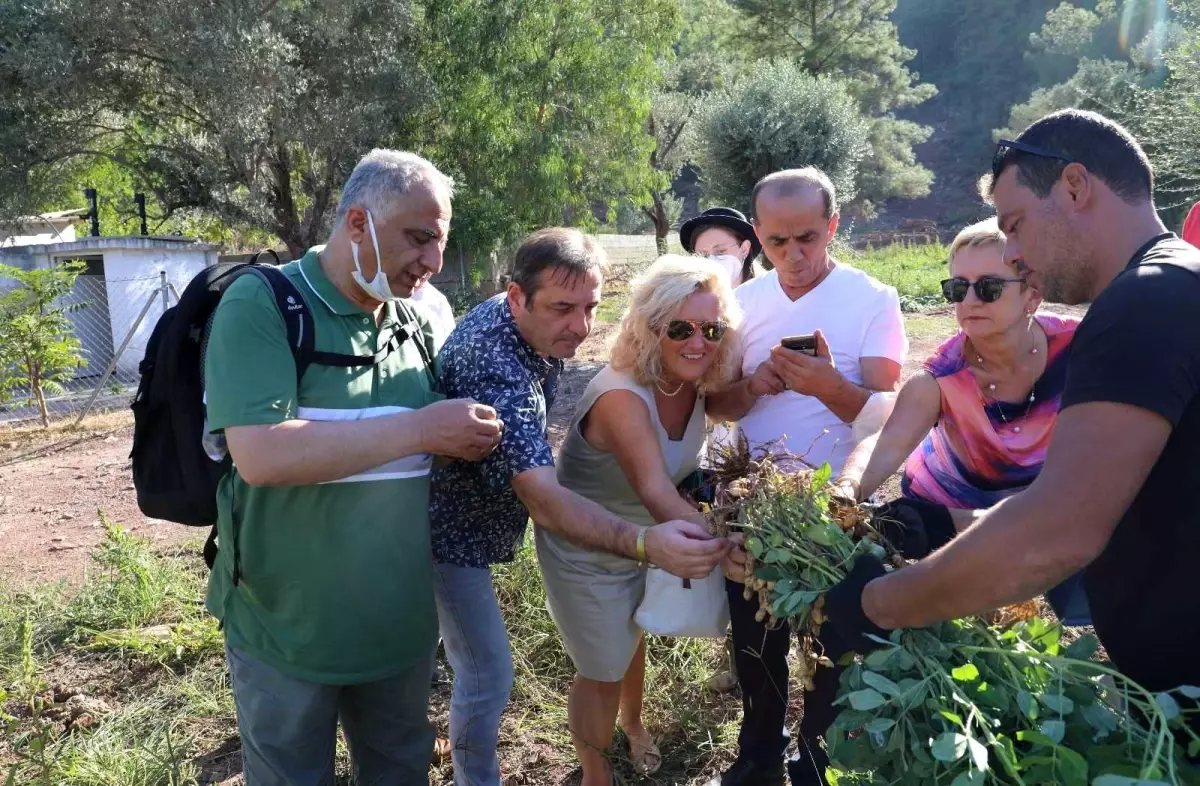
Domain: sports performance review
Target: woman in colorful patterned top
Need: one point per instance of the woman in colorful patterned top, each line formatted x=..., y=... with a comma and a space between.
x=976, y=422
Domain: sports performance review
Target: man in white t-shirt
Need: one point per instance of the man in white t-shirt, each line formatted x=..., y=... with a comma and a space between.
x=810, y=403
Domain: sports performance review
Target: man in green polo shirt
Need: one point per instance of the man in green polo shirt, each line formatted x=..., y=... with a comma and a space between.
x=325, y=595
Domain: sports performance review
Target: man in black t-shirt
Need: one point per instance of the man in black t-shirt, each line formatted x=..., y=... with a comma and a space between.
x=1119, y=491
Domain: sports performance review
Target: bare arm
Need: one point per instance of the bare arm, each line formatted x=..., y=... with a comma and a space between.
x=818, y=376
x=680, y=547
x=917, y=409
x=619, y=423
x=735, y=401
x=576, y=518
x=732, y=403
x=1101, y=454
x=303, y=452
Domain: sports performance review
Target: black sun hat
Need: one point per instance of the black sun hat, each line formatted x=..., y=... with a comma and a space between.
x=725, y=217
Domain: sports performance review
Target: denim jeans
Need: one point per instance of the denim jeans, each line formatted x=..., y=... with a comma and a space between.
x=289, y=726
x=476, y=643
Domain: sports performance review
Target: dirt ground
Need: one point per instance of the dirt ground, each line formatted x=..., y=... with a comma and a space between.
x=50, y=502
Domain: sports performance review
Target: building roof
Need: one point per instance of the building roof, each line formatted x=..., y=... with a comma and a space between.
x=120, y=242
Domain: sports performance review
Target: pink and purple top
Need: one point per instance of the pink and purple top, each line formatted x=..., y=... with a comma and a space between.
x=982, y=450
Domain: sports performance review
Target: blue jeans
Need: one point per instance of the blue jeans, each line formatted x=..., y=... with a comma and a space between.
x=289, y=726
x=476, y=643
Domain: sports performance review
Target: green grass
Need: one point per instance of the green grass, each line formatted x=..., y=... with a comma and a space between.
x=613, y=302
x=914, y=270
x=929, y=326
x=136, y=637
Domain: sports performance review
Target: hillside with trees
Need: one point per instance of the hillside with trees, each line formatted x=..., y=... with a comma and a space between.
x=241, y=121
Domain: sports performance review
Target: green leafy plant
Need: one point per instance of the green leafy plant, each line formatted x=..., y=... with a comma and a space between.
x=38, y=350
x=964, y=702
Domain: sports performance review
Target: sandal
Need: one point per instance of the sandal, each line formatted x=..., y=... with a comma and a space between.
x=644, y=754
x=441, y=750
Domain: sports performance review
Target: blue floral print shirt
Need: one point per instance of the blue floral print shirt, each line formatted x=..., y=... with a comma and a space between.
x=475, y=516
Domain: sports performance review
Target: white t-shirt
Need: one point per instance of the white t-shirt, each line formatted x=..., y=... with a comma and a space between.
x=860, y=318
x=437, y=308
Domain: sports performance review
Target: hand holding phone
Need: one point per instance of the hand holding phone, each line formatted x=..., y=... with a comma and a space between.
x=806, y=344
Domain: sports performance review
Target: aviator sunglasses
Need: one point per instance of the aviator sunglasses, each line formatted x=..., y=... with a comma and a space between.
x=683, y=329
x=1005, y=146
x=987, y=288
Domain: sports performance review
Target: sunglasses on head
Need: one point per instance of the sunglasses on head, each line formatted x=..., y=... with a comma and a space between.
x=683, y=329
x=987, y=288
x=1005, y=146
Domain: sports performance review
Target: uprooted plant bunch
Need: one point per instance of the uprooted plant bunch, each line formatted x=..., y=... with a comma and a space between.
x=972, y=701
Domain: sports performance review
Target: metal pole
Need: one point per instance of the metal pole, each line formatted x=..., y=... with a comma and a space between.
x=162, y=286
x=93, y=210
x=112, y=366
x=140, y=200
x=174, y=291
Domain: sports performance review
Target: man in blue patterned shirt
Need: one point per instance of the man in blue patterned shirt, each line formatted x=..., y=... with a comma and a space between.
x=508, y=353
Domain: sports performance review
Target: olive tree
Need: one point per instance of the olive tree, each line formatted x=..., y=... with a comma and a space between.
x=780, y=117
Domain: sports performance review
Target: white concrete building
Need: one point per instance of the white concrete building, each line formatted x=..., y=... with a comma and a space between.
x=57, y=227
x=122, y=274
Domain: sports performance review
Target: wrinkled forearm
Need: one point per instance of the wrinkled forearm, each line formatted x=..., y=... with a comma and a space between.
x=846, y=400
x=730, y=404
x=576, y=518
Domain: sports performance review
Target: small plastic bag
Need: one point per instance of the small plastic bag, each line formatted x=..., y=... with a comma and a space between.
x=690, y=608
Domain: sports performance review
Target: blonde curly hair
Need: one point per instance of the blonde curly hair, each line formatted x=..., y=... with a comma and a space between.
x=655, y=296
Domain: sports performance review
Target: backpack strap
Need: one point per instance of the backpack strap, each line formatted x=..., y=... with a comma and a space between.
x=298, y=320
x=411, y=328
x=301, y=333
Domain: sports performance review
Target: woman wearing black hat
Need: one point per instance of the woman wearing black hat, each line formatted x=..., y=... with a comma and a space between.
x=725, y=236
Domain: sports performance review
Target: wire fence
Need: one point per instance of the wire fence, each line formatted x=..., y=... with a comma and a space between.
x=111, y=319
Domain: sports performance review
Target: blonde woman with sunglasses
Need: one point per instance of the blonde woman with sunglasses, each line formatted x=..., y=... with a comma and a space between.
x=638, y=431
x=972, y=427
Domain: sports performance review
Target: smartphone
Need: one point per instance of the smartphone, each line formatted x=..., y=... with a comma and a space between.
x=806, y=344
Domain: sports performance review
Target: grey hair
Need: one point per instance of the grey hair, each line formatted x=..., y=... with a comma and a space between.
x=383, y=175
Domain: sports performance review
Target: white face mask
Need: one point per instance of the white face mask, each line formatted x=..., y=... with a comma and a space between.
x=732, y=265
x=377, y=289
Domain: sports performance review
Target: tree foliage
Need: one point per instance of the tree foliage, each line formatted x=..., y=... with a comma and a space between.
x=1141, y=69
x=704, y=57
x=855, y=40
x=38, y=350
x=974, y=51
x=254, y=113
x=547, y=119
x=778, y=118
x=1169, y=120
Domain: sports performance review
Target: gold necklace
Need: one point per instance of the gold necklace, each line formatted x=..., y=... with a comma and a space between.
x=665, y=393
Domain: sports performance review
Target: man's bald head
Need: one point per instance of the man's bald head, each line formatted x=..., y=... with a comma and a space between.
x=796, y=182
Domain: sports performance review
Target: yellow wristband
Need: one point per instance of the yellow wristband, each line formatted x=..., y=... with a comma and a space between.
x=641, y=544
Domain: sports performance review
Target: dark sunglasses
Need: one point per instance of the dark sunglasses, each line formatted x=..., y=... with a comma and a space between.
x=683, y=329
x=987, y=288
x=1004, y=146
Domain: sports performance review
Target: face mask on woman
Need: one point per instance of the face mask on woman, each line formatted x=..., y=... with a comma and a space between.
x=731, y=264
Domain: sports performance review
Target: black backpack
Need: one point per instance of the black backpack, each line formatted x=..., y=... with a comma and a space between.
x=173, y=474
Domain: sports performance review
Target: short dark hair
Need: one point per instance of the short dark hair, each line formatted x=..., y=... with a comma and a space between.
x=790, y=181
x=559, y=248
x=1100, y=144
